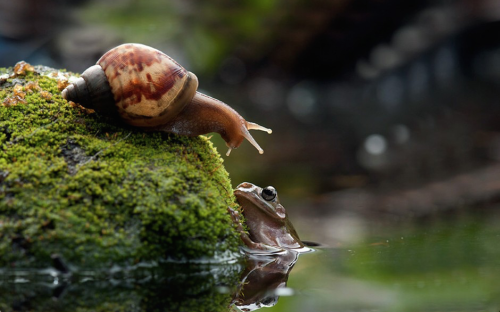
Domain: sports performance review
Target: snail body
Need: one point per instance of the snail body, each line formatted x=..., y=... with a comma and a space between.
x=148, y=89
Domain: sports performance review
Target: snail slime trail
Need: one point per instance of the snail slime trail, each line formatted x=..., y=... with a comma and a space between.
x=148, y=89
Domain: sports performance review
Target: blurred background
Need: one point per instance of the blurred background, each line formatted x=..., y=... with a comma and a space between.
x=378, y=107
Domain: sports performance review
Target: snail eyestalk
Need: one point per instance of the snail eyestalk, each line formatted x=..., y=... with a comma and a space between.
x=254, y=126
x=249, y=137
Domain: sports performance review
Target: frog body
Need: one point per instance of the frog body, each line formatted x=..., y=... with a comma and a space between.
x=269, y=229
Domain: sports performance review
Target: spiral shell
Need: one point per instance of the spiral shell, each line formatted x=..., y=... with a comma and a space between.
x=144, y=86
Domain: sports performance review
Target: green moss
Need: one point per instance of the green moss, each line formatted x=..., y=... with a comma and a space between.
x=98, y=192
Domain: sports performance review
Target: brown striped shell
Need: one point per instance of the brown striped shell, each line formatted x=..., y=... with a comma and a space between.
x=148, y=88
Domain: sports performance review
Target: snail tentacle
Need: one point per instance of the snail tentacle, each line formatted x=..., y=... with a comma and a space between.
x=254, y=126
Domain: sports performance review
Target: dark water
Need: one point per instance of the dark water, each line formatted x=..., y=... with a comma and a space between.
x=439, y=265
x=445, y=265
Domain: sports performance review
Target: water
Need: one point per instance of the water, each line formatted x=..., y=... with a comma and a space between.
x=448, y=264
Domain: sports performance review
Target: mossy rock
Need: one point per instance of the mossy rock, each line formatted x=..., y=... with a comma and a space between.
x=97, y=192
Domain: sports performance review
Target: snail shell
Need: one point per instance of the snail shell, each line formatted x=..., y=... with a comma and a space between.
x=148, y=89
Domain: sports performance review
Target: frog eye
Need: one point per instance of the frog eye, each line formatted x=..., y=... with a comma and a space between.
x=268, y=193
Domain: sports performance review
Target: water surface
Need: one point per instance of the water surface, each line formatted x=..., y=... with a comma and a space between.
x=441, y=265
x=445, y=263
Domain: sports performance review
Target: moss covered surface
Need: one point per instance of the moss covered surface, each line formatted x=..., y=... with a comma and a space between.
x=97, y=192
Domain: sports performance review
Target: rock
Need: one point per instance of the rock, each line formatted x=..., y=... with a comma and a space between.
x=97, y=192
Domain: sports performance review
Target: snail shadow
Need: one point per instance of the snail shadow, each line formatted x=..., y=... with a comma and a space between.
x=265, y=277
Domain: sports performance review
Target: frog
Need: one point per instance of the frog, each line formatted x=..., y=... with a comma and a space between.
x=267, y=222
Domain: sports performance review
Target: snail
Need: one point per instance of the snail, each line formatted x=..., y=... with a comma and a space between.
x=148, y=89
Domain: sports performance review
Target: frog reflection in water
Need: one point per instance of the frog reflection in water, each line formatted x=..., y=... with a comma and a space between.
x=269, y=229
x=272, y=247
